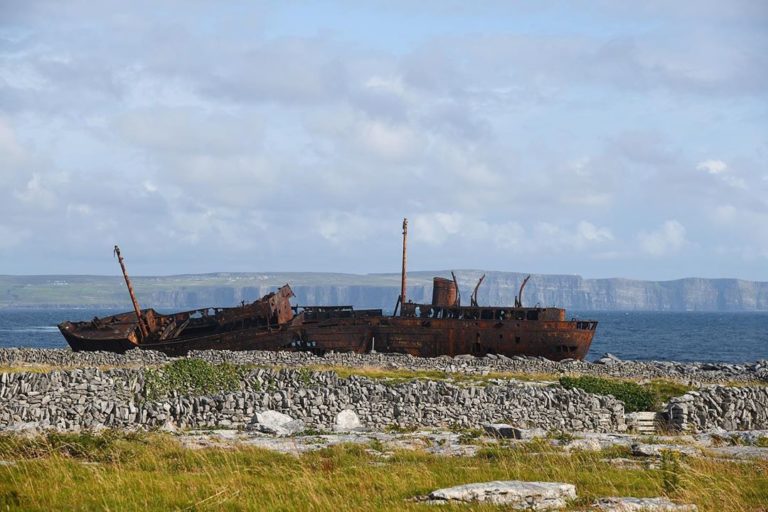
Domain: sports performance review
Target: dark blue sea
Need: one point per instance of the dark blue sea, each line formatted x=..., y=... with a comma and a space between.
x=711, y=337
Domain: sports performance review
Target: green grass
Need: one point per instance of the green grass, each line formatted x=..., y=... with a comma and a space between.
x=662, y=390
x=636, y=397
x=153, y=472
x=194, y=377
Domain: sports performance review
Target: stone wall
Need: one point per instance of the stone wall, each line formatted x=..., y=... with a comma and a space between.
x=92, y=398
x=686, y=372
x=719, y=407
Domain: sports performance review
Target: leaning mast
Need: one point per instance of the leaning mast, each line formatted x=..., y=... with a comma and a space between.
x=136, y=308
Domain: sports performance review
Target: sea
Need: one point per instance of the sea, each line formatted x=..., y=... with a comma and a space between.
x=666, y=336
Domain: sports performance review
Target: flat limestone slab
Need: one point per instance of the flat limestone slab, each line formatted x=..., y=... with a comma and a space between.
x=520, y=495
x=628, y=504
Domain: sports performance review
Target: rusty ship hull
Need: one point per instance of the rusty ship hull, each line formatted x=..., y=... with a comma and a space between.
x=347, y=330
x=442, y=327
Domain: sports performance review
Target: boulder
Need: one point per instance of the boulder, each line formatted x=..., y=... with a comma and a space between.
x=277, y=423
x=629, y=504
x=505, y=431
x=517, y=494
x=501, y=430
x=655, y=450
x=608, y=358
x=347, y=421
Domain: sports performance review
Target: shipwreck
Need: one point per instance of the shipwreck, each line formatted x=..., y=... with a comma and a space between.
x=441, y=327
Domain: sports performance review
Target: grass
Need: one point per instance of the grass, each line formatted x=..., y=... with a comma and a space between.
x=634, y=396
x=153, y=472
x=398, y=375
x=646, y=396
x=192, y=376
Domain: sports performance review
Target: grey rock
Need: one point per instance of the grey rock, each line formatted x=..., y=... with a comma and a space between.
x=655, y=450
x=501, y=430
x=517, y=494
x=277, y=423
x=608, y=359
x=629, y=504
x=347, y=421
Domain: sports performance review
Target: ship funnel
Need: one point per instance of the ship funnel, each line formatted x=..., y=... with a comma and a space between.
x=443, y=292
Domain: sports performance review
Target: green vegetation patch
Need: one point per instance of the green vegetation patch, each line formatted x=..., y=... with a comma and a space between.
x=635, y=397
x=663, y=390
x=192, y=377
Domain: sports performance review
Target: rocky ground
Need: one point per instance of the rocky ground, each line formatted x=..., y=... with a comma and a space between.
x=646, y=450
x=298, y=403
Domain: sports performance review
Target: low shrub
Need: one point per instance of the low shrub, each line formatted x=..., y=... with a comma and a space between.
x=634, y=396
x=192, y=376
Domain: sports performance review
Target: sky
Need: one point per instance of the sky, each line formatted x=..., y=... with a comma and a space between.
x=599, y=138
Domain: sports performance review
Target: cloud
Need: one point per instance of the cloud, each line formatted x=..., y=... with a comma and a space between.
x=225, y=136
x=723, y=172
x=712, y=166
x=388, y=141
x=667, y=239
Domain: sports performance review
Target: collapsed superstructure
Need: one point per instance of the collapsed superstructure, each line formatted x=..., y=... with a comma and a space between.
x=442, y=327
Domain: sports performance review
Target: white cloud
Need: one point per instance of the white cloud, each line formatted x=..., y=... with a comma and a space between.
x=388, y=141
x=712, y=166
x=669, y=238
x=187, y=135
x=37, y=193
x=588, y=232
x=723, y=171
x=344, y=227
x=435, y=228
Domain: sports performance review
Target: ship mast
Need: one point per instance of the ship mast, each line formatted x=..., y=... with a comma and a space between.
x=402, y=277
x=142, y=326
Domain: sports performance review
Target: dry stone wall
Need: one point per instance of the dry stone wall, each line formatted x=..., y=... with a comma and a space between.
x=92, y=398
x=688, y=372
x=719, y=407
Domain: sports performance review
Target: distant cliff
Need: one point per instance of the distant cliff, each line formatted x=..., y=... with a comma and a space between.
x=381, y=290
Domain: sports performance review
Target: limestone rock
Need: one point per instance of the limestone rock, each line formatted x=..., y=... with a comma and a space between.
x=519, y=495
x=655, y=450
x=608, y=358
x=505, y=431
x=628, y=504
x=501, y=430
x=347, y=421
x=273, y=422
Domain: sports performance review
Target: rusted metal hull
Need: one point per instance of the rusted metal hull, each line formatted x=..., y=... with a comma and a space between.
x=442, y=327
x=553, y=339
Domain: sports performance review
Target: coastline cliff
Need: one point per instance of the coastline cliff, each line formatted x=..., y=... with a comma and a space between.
x=381, y=290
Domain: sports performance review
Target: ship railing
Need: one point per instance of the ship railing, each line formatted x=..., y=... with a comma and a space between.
x=479, y=313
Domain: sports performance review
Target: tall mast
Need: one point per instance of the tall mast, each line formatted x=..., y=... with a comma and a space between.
x=402, y=279
x=136, y=308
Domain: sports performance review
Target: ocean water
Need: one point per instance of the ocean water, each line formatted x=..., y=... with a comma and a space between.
x=679, y=336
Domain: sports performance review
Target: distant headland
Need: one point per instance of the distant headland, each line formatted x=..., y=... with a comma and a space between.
x=381, y=290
